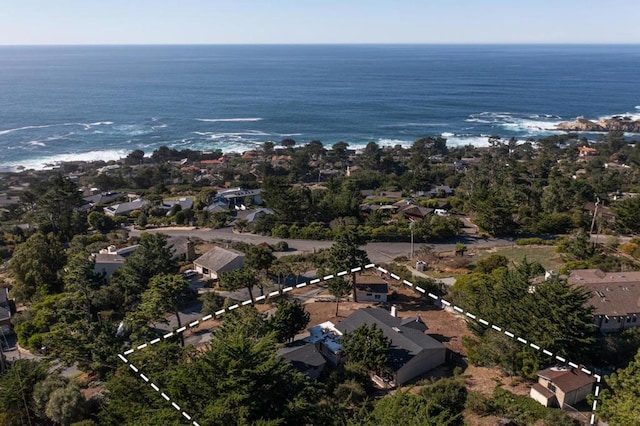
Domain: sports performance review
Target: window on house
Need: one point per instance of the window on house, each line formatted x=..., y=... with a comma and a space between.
x=635, y=319
x=369, y=294
x=377, y=296
x=628, y=319
x=551, y=387
x=606, y=320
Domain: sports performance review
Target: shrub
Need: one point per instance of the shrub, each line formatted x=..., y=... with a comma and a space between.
x=534, y=241
x=281, y=246
x=491, y=263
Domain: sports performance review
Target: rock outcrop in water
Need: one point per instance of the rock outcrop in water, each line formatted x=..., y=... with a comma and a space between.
x=615, y=123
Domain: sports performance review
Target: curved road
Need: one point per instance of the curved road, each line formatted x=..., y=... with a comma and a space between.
x=378, y=252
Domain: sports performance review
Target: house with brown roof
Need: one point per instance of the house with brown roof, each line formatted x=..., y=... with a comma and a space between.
x=615, y=297
x=218, y=260
x=560, y=386
x=586, y=151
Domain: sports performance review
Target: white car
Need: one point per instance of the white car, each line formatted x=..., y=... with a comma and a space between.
x=189, y=273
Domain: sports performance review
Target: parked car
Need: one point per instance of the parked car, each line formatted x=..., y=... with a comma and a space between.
x=189, y=273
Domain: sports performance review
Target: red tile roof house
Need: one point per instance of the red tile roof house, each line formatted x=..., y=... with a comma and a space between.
x=560, y=386
x=614, y=295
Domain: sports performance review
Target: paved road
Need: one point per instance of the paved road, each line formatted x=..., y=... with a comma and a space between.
x=378, y=252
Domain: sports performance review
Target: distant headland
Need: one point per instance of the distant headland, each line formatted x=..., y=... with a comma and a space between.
x=612, y=124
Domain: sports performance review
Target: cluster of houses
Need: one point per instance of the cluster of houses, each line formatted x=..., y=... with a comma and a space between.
x=408, y=207
x=225, y=200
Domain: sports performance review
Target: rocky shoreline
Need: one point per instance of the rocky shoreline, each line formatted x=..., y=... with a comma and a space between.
x=616, y=123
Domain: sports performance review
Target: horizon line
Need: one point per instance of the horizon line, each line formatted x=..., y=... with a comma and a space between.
x=328, y=44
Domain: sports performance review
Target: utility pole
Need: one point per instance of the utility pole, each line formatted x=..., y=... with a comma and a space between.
x=411, y=225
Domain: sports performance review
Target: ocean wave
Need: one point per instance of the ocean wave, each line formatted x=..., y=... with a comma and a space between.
x=48, y=162
x=232, y=135
x=36, y=143
x=86, y=126
x=527, y=123
x=224, y=120
x=412, y=124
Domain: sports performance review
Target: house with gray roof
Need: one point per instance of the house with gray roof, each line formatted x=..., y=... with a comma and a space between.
x=304, y=357
x=184, y=203
x=412, y=352
x=125, y=209
x=218, y=260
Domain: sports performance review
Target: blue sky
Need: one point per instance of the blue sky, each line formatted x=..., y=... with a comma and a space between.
x=328, y=21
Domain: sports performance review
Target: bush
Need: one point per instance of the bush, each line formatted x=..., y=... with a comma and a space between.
x=479, y=404
x=281, y=246
x=534, y=241
x=491, y=263
x=35, y=342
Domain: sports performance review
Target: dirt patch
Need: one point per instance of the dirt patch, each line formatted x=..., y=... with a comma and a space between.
x=485, y=380
x=326, y=311
x=443, y=326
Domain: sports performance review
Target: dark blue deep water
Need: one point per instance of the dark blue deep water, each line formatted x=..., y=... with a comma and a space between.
x=60, y=103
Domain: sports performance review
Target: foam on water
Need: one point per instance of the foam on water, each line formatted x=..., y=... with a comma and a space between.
x=48, y=162
x=86, y=126
x=531, y=124
x=228, y=120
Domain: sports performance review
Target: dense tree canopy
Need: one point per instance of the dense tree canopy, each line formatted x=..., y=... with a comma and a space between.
x=36, y=266
x=552, y=314
x=367, y=346
x=290, y=317
x=620, y=400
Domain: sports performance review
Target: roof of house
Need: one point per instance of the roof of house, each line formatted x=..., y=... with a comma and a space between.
x=373, y=287
x=252, y=215
x=103, y=197
x=567, y=379
x=543, y=391
x=417, y=211
x=414, y=322
x=612, y=293
x=184, y=203
x=5, y=313
x=107, y=258
x=217, y=206
x=303, y=357
x=124, y=208
x=406, y=342
x=4, y=295
x=217, y=258
x=238, y=192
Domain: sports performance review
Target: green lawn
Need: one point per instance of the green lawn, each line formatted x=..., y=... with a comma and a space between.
x=543, y=254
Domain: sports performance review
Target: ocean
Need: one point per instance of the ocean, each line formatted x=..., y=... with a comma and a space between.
x=101, y=102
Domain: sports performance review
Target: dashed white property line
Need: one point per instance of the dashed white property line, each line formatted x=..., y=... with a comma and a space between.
x=511, y=335
x=396, y=277
x=205, y=318
x=157, y=389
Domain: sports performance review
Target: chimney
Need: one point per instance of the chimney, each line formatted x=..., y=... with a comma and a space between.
x=394, y=311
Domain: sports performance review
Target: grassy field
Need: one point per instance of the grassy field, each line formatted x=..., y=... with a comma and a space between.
x=543, y=254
